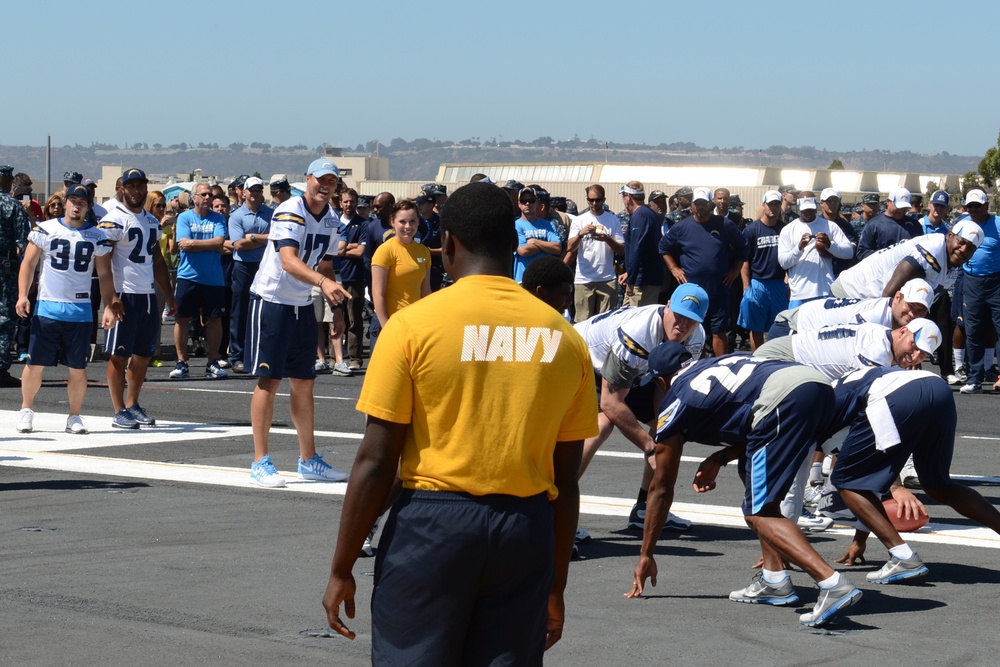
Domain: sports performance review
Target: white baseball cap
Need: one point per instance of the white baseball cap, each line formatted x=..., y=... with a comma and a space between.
x=969, y=231
x=807, y=203
x=977, y=197
x=900, y=197
x=827, y=193
x=251, y=182
x=705, y=194
x=919, y=291
x=926, y=334
x=771, y=195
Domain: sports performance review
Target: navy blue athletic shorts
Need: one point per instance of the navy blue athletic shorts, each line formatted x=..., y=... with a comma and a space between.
x=136, y=334
x=54, y=341
x=281, y=340
x=781, y=441
x=925, y=417
x=463, y=580
x=193, y=298
x=640, y=399
x=956, y=303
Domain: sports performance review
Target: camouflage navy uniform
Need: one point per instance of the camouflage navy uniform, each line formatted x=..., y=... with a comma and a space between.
x=14, y=228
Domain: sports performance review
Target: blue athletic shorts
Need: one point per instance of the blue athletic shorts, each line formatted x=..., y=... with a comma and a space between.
x=463, y=580
x=281, y=340
x=924, y=414
x=193, y=298
x=53, y=341
x=761, y=304
x=136, y=334
x=639, y=399
x=781, y=441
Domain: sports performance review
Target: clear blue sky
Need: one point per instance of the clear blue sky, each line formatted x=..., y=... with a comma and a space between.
x=845, y=75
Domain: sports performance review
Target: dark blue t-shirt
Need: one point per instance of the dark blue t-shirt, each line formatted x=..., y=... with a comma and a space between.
x=762, y=251
x=377, y=233
x=355, y=231
x=642, y=259
x=882, y=232
x=703, y=249
x=711, y=402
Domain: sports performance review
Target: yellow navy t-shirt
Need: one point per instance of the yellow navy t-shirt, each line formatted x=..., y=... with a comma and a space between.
x=407, y=265
x=489, y=378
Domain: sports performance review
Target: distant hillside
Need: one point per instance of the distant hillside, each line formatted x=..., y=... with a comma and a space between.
x=418, y=160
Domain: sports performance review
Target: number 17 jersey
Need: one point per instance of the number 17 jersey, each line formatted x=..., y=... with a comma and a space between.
x=314, y=237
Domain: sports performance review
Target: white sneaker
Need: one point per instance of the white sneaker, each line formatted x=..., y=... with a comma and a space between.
x=74, y=425
x=908, y=475
x=811, y=522
x=25, y=419
x=367, y=549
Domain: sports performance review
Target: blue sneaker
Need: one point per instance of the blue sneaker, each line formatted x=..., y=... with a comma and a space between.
x=140, y=415
x=124, y=419
x=637, y=519
x=263, y=473
x=180, y=370
x=321, y=471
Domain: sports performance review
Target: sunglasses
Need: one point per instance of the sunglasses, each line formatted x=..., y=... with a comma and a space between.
x=528, y=201
x=595, y=200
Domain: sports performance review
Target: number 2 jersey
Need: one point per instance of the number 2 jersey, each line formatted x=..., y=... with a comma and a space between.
x=135, y=237
x=294, y=225
x=66, y=268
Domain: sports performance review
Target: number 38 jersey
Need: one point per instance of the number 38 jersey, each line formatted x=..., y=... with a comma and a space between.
x=135, y=237
x=293, y=225
x=67, y=260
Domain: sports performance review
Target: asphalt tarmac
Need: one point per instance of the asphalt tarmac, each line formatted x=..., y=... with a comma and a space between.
x=151, y=547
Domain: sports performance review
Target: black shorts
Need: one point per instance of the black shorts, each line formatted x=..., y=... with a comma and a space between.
x=463, y=580
x=136, y=334
x=281, y=340
x=54, y=341
x=193, y=298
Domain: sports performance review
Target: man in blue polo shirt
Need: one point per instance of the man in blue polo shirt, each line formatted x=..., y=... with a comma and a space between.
x=535, y=236
x=644, y=270
x=248, y=229
x=709, y=250
x=352, y=272
x=200, y=289
x=980, y=290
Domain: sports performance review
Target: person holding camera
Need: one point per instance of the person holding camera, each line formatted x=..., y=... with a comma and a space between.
x=806, y=249
x=595, y=237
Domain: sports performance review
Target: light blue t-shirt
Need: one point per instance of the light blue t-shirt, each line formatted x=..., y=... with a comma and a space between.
x=539, y=229
x=986, y=260
x=203, y=267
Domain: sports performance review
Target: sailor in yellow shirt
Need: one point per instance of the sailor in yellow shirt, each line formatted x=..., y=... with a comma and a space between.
x=400, y=268
x=483, y=412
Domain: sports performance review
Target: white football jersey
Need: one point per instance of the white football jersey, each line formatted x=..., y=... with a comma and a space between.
x=836, y=351
x=67, y=260
x=135, y=237
x=294, y=225
x=631, y=334
x=832, y=312
x=928, y=253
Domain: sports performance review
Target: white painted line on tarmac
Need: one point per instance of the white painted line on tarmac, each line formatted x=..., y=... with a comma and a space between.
x=45, y=448
x=242, y=393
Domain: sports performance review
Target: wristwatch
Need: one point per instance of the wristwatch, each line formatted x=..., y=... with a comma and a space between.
x=253, y=239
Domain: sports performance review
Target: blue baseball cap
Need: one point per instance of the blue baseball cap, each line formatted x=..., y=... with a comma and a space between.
x=134, y=175
x=77, y=190
x=689, y=300
x=941, y=197
x=666, y=359
x=322, y=167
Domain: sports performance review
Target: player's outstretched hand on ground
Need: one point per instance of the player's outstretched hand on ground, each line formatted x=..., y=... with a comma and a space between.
x=646, y=569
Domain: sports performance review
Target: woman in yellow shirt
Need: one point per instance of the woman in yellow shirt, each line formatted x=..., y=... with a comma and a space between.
x=400, y=266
